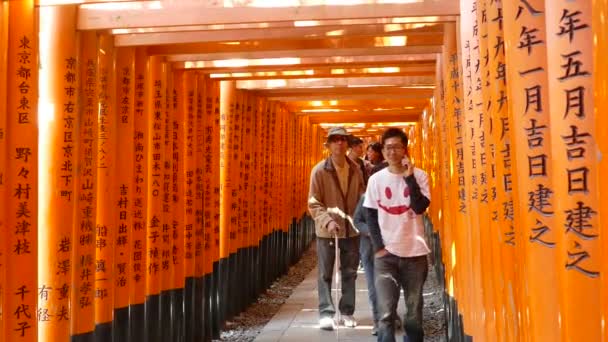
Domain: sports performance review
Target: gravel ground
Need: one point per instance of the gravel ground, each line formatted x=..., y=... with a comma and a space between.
x=246, y=326
x=433, y=311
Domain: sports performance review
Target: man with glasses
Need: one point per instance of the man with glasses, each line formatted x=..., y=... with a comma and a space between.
x=335, y=187
x=395, y=199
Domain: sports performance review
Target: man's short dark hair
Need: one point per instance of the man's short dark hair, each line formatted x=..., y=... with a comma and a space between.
x=394, y=132
x=354, y=141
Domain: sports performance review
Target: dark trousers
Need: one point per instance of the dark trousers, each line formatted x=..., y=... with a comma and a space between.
x=392, y=274
x=367, y=259
x=349, y=262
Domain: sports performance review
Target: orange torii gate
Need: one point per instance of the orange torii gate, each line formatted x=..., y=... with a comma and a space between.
x=134, y=186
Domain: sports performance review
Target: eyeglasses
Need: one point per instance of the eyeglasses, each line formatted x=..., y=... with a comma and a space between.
x=337, y=138
x=393, y=148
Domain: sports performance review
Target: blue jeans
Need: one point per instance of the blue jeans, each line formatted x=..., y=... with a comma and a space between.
x=392, y=274
x=366, y=252
x=349, y=262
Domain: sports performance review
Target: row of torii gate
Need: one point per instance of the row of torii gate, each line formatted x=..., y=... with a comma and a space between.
x=143, y=200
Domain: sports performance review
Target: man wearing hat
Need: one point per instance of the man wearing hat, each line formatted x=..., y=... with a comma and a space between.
x=336, y=185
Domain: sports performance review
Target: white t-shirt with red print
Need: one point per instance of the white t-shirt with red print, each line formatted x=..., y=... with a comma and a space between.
x=401, y=228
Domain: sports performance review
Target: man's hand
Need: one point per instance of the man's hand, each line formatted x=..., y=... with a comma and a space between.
x=333, y=228
x=409, y=166
x=381, y=253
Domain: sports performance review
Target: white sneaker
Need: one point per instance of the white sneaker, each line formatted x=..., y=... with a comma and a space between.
x=326, y=323
x=349, y=321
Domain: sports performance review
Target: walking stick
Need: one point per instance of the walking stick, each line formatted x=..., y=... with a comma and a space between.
x=337, y=268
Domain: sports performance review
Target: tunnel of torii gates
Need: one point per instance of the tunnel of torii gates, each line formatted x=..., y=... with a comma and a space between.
x=155, y=156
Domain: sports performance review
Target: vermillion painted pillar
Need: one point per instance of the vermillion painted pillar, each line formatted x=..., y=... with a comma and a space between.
x=443, y=175
x=413, y=134
x=490, y=88
x=472, y=108
x=227, y=184
x=142, y=117
x=429, y=144
x=500, y=148
x=285, y=162
x=106, y=191
x=205, y=163
x=124, y=186
x=211, y=197
x=177, y=203
x=226, y=104
x=600, y=72
x=236, y=273
x=525, y=39
x=277, y=188
x=166, y=235
x=461, y=260
x=216, y=167
x=258, y=192
x=493, y=101
x=272, y=186
x=82, y=310
x=453, y=136
x=58, y=138
x=574, y=165
x=3, y=155
x=156, y=130
x=276, y=167
x=192, y=228
x=21, y=178
x=248, y=198
x=202, y=252
x=267, y=178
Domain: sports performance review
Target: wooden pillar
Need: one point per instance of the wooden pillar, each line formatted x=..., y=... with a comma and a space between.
x=167, y=317
x=82, y=310
x=192, y=220
x=472, y=108
x=574, y=165
x=235, y=154
x=106, y=189
x=214, y=90
x=455, y=207
x=526, y=52
x=600, y=73
x=247, y=191
x=124, y=189
x=141, y=143
x=196, y=165
x=21, y=178
x=59, y=94
x=156, y=129
x=177, y=122
x=491, y=84
x=258, y=187
x=206, y=135
x=3, y=159
x=210, y=166
x=227, y=233
x=502, y=213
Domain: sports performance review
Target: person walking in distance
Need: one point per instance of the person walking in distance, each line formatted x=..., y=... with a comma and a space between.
x=335, y=187
x=356, y=152
x=395, y=199
x=375, y=159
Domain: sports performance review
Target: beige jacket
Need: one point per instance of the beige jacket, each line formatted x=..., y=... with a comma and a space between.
x=327, y=203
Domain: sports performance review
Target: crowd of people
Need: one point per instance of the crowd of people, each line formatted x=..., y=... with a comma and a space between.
x=371, y=206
